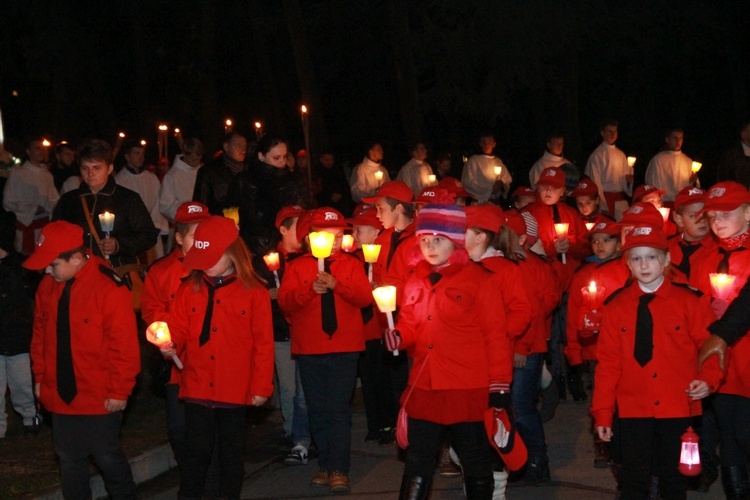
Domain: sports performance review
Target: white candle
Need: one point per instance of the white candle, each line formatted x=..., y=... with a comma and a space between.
x=385, y=298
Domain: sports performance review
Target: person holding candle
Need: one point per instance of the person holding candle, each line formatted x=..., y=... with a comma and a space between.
x=369, y=175
x=85, y=357
x=648, y=193
x=647, y=367
x=416, y=172
x=134, y=231
x=586, y=197
x=688, y=246
x=727, y=208
x=608, y=168
x=324, y=309
x=552, y=157
x=221, y=327
x=671, y=169
x=462, y=362
x=479, y=176
x=291, y=395
x=163, y=279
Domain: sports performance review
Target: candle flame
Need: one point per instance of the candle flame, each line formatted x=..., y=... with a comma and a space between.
x=121, y=135
x=143, y=142
x=176, y=131
x=371, y=252
x=592, y=287
x=385, y=298
x=379, y=175
x=303, y=109
x=228, y=122
x=46, y=143
x=498, y=169
x=321, y=244
x=590, y=225
x=561, y=229
x=696, y=166
x=258, y=125
x=631, y=161
x=163, y=127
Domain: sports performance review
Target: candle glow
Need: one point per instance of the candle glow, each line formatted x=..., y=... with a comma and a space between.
x=498, y=170
x=143, y=142
x=631, y=161
x=321, y=244
x=385, y=298
x=664, y=213
x=432, y=178
x=347, y=243
x=722, y=285
x=371, y=252
x=46, y=143
x=379, y=175
x=258, y=125
x=272, y=261
x=107, y=222
x=590, y=225
x=121, y=135
x=303, y=109
x=232, y=213
x=163, y=128
x=158, y=334
x=696, y=166
x=176, y=131
x=561, y=229
x=690, y=458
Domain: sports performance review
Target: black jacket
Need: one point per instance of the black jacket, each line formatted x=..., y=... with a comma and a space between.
x=17, y=289
x=734, y=166
x=212, y=186
x=133, y=228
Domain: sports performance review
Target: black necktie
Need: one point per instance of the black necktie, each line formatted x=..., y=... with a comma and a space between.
x=687, y=251
x=556, y=214
x=395, y=235
x=206, y=330
x=434, y=278
x=723, y=266
x=328, y=307
x=366, y=311
x=644, y=331
x=66, y=377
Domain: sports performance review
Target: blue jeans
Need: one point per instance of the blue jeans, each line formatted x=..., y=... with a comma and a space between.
x=329, y=380
x=300, y=420
x=523, y=391
x=15, y=372
x=293, y=406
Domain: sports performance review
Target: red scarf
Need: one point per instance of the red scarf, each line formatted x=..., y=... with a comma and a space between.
x=735, y=241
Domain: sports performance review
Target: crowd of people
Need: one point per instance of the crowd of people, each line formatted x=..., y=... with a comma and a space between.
x=508, y=297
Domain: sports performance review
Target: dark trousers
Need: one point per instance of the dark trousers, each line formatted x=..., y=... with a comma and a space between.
x=205, y=428
x=733, y=418
x=383, y=378
x=328, y=381
x=468, y=439
x=524, y=390
x=652, y=446
x=76, y=437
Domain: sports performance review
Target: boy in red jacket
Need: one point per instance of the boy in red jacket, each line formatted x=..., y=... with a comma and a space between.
x=648, y=367
x=85, y=357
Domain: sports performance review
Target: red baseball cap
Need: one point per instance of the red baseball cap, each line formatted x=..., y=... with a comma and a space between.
x=515, y=222
x=486, y=216
x=392, y=189
x=642, y=213
x=552, y=176
x=303, y=224
x=523, y=191
x=436, y=195
x=688, y=196
x=645, y=189
x=454, y=186
x=328, y=218
x=726, y=196
x=585, y=187
x=191, y=212
x=644, y=236
x=607, y=227
x=505, y=439
x=366, y=216
x=287, y=212
x=55, y=238
x=212, y=238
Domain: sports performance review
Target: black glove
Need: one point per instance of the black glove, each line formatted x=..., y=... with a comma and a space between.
x=500, y=400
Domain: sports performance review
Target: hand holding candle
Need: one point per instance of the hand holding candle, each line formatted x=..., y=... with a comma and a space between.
x=385, y=298
x=107, y=223
x=321, y=244
x=561, y=230
x=498, y=169
x=371, y=253
x=158, y=334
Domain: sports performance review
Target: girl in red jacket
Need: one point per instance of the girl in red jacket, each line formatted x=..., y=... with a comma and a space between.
x=648, y=367
x=222, y=330
x=451, y=326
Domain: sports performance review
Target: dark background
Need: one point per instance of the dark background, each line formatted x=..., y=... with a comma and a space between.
x=394, y=70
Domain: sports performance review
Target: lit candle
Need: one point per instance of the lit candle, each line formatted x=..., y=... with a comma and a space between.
x=258, y=129
x=631, y=161
x=590, y=225
x=593, y=295
x=498, y=170
x=162, y=141
x=232, y=213
x=721, y=285
x=432, y=178
x=107, y=222
x=321, y=244
x=592, y=287
x=696, y=166
x=303, y=109
x=46, y=143
x=690, y=457
x=158, y=334
x=176, y=132
x=143, y=142
x=664, y=213
x=347, y=243
x=227, y=125
x=379, y=177
x=272, y=263
x=121, y=135
x=371, y=253
x=561, y=229
x=385, y=298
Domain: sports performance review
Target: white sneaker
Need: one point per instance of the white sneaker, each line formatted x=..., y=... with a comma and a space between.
x=298, y=456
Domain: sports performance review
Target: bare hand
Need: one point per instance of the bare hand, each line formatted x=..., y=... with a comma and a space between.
x=519, y=360
x=259, y=400
x=713, y=345
x=562, y=245
x=167, y=350
x=113, y=405
x=698, y=389
x=327, y=280
x=604, y=433
x=108, y=246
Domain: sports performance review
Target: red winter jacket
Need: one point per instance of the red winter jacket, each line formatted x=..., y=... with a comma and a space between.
x=237, y=361
x=513, y=295
x=579, y=348
x=103, y=339
x=303, y=305
x=544, y=293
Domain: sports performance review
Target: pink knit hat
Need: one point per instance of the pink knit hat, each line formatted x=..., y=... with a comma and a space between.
x=448, y=220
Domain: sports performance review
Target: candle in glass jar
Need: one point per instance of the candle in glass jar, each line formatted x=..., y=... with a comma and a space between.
x=272, y=261
x=589, y=225
x=498, y=170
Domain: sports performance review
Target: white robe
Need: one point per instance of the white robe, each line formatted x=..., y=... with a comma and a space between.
x=415, y=174
x=607, y=166
x=479, y=177
x=363, y=182
x=176, y=187
x=546, y=161
x=147, y=185
x=669, y=171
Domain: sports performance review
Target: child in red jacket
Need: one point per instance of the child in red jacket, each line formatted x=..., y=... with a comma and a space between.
x=221, y=328
x=648, y=367
x=457, y=336
x=326, y=330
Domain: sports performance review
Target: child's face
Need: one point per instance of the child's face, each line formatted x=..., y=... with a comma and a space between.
x=729, y=224
x=548, y=194
x=475, y=240
x=647, y=264
x=222, y=268
x=437, y=249
x=695, y=226
x=586, y=205
x=653, y=198
x=604, y=246
x=63, y=270
x=388, y=216
x=186, y=240
x=289, y=236
x=364, y=235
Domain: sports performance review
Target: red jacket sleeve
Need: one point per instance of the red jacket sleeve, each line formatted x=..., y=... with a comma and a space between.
x=123, y=352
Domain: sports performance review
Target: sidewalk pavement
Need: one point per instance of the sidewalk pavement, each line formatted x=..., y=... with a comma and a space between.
x=376, y=470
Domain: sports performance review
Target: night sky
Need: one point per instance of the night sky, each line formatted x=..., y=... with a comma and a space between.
x=395, y=71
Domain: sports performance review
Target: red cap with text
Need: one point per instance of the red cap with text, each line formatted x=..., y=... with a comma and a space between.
x=328, y=218
x=642, y=213
x=688, y=196
x=610, y=228
x=454, y=186
x=435, y=194
x=486, y=216
x=645, y=189
x=552, y=176
x=55, y=238
x=191, y=212
x=726, y=196
x=212, y=238
x=585, y=188
x=392, y=189
x=644, y=236
x=366, y=215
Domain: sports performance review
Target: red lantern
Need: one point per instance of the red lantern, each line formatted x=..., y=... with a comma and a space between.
x=690, y=458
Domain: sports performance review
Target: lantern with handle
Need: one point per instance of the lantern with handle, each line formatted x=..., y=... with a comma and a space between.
x=690, y=457
x=158, y=334
x=385, y=298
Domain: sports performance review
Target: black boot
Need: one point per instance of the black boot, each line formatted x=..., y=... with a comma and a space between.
x=536, y=471
x=575, y=384
x=735, y=480
x=479, y=488
x=414, y=488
